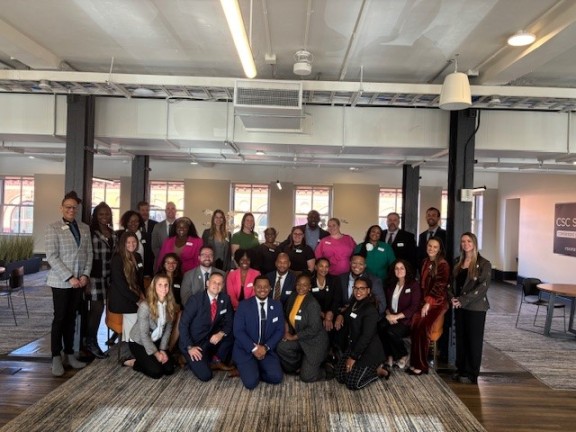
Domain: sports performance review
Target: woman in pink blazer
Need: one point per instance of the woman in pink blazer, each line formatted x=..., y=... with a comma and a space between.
x=240, y=282
x=184, y=242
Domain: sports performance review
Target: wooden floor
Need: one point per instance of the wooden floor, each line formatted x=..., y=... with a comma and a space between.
x=507, y=398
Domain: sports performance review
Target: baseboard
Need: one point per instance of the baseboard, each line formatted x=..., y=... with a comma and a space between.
x=500, y=275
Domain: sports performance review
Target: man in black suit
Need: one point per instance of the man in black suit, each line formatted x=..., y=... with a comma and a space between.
x=434, y=230
x=283, y=280
x=206, y=330
x=143, y=208
x=312, y=231
x=403, y=242
x=357, y=269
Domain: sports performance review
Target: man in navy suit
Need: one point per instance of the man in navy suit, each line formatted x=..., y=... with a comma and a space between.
x=206, y=330
x=258, y=328
x=283, y=280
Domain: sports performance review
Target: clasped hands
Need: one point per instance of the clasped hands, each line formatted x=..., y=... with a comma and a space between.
x=80, y=282
x=161, y=356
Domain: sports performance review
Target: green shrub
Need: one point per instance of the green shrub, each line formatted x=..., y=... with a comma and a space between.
x=16, y=248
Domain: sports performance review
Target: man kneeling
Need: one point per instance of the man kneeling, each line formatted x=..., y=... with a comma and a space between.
x=206, y=330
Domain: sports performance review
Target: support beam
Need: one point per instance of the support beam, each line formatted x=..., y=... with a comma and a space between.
x=80, y=150
x=410, y=193
x=140, y=189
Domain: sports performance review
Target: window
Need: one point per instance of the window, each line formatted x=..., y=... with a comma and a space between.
x=17, y=198
x=444, y=209
x=308, y=198
x=109, y=192
x=390, y=201
x=251, y=198
x=162, y=192
x=476, y=225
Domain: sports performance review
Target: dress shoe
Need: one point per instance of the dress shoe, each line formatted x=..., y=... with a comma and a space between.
x=401, y=364
x=73, y=362
x=465, y=380
x=220, y=366
x=383, y=372
x=57, y=366
x=233, y=373
x=96, y=351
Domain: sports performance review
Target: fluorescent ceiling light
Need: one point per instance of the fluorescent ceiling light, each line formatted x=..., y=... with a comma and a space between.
x=260, y=152
x=236, y=26
x=521, y=38
x=278, y=185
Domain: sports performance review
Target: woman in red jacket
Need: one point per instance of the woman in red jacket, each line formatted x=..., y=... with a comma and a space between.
x=435, y=275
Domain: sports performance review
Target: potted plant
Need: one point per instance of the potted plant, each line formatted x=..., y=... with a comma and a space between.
x=16, y=251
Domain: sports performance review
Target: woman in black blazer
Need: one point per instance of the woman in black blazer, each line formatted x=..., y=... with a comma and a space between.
x=305, y=343
x=363, y=358
x=126, y=282
x=403, y=297
x=326, y=290
x=471, y=279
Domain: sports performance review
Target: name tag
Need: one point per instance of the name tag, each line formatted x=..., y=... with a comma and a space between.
x=250, y=285
x=328, y=243
x=274, y=319
x=65, y=227
x=353, y=315
x=408, y=291
x=381, y=249
x=288, y=292
x=140, y=265
x=143, y=241
x=400, y=244
x=315, y=289
x=271, y=250
x=189, y=244
x=298, y=250
x=223, y=311
x=176, y=285
x=297, y=317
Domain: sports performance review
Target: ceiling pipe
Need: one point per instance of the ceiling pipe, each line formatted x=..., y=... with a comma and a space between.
x=352, y=41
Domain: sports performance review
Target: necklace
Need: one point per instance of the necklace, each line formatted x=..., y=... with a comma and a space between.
x=356, y=306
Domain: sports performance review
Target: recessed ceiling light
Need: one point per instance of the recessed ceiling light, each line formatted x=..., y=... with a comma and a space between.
x=30, y=157
x=353, y=169
x=521, y=38
x=194, y=162
x=260, y=152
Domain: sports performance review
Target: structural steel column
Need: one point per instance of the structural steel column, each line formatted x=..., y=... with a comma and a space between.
x=410, y=191
x=140, y=189
x=80, y=150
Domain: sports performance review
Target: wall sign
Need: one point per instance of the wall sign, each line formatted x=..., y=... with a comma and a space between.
x=565, y=229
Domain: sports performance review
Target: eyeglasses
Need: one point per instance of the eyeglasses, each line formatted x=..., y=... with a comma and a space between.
x=360, y=288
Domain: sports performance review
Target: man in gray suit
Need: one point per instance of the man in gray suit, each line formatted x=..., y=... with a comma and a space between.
x=195, y=280
x=69, y=253
x=162, y=229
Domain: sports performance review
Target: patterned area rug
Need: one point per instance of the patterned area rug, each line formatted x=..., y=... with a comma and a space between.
x=40, y=307
x=550, y=359
x=107, y=397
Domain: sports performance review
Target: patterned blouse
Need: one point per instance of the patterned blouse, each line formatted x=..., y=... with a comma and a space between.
x=100, y=275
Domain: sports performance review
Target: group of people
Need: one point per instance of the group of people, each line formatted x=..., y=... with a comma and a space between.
x=317, y=304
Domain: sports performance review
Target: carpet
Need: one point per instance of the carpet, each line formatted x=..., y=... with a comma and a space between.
x=550, y=359
x=107, y=397
x=40, y=307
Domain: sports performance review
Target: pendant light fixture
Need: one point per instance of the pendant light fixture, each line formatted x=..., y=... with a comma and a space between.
x=455, y=94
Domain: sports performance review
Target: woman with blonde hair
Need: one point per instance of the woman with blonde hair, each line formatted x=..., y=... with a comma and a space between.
x=471, y=279
x=150, y=335
x=219, y=239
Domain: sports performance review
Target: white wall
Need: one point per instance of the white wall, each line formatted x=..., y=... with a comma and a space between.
x=538, y=193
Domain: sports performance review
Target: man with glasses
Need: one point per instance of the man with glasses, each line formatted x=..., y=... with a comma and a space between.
x=69, y=253
x=195, y=280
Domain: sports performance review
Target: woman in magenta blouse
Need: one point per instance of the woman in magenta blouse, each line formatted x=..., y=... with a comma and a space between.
x=337, y=247
x=184, y=242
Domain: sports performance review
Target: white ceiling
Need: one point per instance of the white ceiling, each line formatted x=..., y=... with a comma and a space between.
x=399, y=49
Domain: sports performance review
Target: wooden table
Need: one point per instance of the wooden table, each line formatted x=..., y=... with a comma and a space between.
x=554, y=289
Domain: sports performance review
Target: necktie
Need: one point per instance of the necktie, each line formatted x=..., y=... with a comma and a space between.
x=391, y=238
x=430, y=234
x=213, y=307
x=262, y=321
x=277, y=289
x=206, y=276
